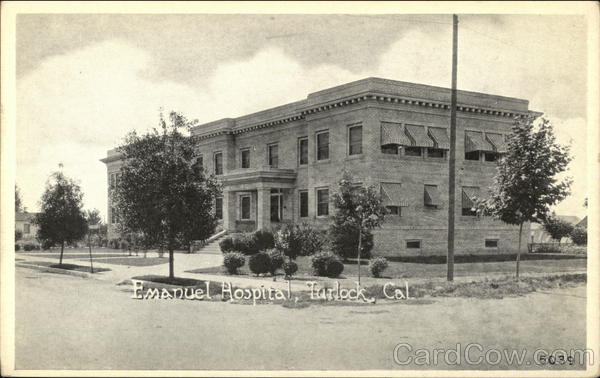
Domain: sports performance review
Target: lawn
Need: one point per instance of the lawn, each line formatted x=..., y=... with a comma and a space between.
x=404, y=270
x=133, y=261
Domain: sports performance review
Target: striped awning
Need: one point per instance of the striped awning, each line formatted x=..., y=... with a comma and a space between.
x=391, y=194
x=497, y=141
x=393, y=133
x=474, y=142
x=432, y=195
x=469, y=193
x=440, y=137
x=419, y=136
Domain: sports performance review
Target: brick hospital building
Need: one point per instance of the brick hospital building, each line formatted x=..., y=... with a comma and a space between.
x=282, y=165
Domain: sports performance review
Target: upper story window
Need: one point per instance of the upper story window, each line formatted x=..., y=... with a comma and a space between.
x=472, y=155
x=390, y=149
x=218, y=163
x=303, y=151
x=355, y=140
x=491, y=156
x=273, y=152
x=322, y=202
x=431, y=196
x=469, y=195
x=200, y=161
x=245, y=158
x=437, y=153
x=413, y=151
x=323, y=145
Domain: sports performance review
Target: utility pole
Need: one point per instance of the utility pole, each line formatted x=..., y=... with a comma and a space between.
x=452, y=158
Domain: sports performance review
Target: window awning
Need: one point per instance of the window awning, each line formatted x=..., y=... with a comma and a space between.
x=440, y=137
x=469, y=193
x=392, y=195
x=432, y=195
x=497, y=141
x=474, y=142
x=393, y=133
x=419, y=136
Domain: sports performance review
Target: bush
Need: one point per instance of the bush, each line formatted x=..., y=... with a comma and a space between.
x=579, y=236
x=335, y=268
x=377, y=266
x=287, y=242
x=276, y=260
x=113, y=243
x=124, y=245
x=344, y=241
x=232, y=261
x=18, y=235
x=263, y=240
x=547, y=248
x=260, y=263
x=17, y=247
x=327, y=264
x=226, y=244
x=31, y=247
x=311, y=240
x=47, y=244
x=290, y=268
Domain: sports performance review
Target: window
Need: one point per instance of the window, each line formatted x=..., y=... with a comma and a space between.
x=469, y=195
x=273, y=155
x=391, y=149
x=473, y=155
x=303, y=204
x=245, y=158
x=219, y=208
x=355, y=140
x=412, y=151
x=218, y=163
x=199, y=162
x=245, y=205
x=491, y=243
x=394, y=210
x=26, y=228
x=413, y=244
x=111, y=180
x=435, y=153
x=114, y=217
x=491, y=156
x=303, y=151
x=431, y=196
x=322, y=202
x=276, y=205
x=323, y=145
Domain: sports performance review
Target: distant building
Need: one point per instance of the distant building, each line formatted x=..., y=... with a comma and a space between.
x=282, y=165
x=583, y=223
x=24, y=223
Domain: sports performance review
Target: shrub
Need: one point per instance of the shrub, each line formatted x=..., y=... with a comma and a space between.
x=17, y=247
x=547, y=248
x=124, y=244
x=232, y=261
x=226, y=244
x=334, y=268
x=47, y=244
x=276, y=260
x=113, y=243
x=287, y=242
x=344, y=241
x=579, y=235
x=311, y=240
x=377, y=266
x=31, y=247
x=326, y=264
x=18, y=235
x=290, y=268
x=260, y=263
x=263, y=240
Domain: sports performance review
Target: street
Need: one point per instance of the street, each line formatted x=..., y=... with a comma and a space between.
x=67, y=322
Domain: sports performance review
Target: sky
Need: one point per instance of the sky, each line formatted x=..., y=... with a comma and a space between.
x=84, y=81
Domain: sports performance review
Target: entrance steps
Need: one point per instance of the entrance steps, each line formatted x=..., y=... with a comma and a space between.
x=212, y=247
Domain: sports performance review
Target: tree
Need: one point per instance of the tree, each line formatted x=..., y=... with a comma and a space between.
x=163, y=196
x=18, y=200
x=93, y=217
x=525, y=184
x=557, y=228
x=61, y=219
x=359, y=210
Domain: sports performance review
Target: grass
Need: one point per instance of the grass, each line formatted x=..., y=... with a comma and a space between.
x=79, y=268
x=487, y=289
x=404, y=270
x=75, y=256
x=133, y=261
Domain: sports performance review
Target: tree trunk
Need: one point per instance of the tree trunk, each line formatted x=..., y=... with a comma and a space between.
x=171, y=257
x=91, y=263
x=359, y=246
x=62, y=248
x=519, y=249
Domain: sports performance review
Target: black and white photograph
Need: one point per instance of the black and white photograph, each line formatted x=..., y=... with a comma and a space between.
x=290, y=189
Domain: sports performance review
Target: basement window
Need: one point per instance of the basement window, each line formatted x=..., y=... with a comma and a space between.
x=413, y=244
x=491, y=243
